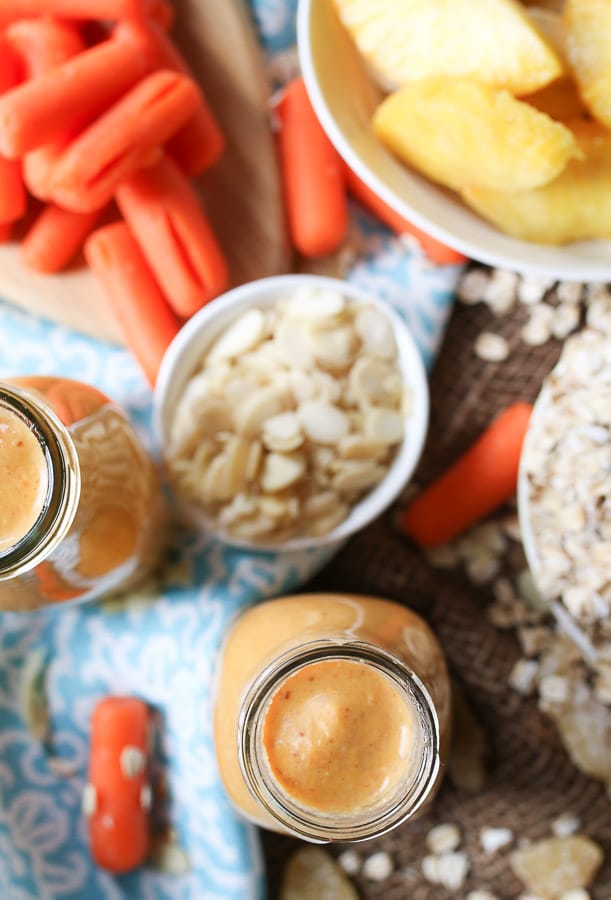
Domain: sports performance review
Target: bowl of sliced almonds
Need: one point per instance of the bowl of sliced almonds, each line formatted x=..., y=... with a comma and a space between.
x=291, y=412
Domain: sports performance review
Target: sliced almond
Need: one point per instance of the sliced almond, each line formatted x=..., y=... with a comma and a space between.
x=322, y=422
x=262, y=404
x=384, y=426
x=280, y=470
x=316, y=305
x=320, y=504
x=283, y=432
x=376, y=333
x=367, y=381
x=325, y=523
x=354, y=476
x=292, y=342
x=241, y=336
x=355, y=446
x=334, y=348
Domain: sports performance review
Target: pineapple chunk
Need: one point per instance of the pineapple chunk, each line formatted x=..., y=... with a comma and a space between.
x=588, y=42
x=575, y=206
x=461, y=132
x=492, y=40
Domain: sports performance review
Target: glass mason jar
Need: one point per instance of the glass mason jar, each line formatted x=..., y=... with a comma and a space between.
x=81, y=512
x=332, y=715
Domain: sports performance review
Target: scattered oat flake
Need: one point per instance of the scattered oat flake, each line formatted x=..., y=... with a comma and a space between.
x=565, y=825
x=481, y=895
x=523, y=676
x=576, y=894
x=491, y=347
x=443, y=838
x=378, y=866
x=350, y=861
x=493, y=839
x=312, y=874
x=449, y=870
x=472, y=286
x=171, y=859
x=531, y=290
x=554, y=866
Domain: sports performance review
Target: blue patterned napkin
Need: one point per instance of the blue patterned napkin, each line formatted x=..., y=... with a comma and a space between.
x=159, y=644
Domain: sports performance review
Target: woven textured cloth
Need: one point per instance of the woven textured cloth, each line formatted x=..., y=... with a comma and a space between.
x=530, y=779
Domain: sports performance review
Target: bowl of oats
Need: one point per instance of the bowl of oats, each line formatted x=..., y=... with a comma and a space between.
x=291, y=412
x=564, y=487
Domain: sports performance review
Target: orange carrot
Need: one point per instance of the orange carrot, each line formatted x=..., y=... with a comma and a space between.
x=119, y=816
x=123, y=140
x=5, y=233
x=12, y=10
x=200, y=142
x=145, y=319
x=433, y=248
x=38, y=170
x=312, y=174
x=482, y=479
x=166, y=218
x=13, y=199
x=55, y=238
x=44, y=43
x=161, y=12
x=11, y=67
x=70, y=95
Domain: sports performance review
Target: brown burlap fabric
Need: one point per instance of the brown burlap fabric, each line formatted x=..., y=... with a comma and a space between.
x=530, y=778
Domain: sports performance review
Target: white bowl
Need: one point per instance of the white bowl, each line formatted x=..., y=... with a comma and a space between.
x=184, y=355
x=345, y=97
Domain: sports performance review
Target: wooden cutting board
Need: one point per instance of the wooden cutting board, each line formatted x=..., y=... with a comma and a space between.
x=241, y=194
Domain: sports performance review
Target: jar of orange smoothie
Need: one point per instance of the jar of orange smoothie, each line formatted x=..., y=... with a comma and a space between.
x=332, y=715
x=80, y=506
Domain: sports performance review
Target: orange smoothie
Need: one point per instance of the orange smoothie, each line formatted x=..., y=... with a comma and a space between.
x=337, y=736
x=23, y=479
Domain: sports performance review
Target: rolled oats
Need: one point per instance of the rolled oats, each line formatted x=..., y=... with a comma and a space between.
x=443, y=838
x=565, y=825
x=449, y=870
x=491, y=347
x=378, y=866
x=493, y=839
x=295, y=413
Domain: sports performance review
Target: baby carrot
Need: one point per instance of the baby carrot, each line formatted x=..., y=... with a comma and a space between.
x=44, y=43
x=123, y=140
x=312, y=174
x=433, y=248
x=55, y=238
x=161, y=12
x=13, y=200
x=12, y=10
x=70, y=95
x=166, y=218
x=200, y=142
x=11, y=67
x=117, y=800
x=483, y=478
x=146, y=321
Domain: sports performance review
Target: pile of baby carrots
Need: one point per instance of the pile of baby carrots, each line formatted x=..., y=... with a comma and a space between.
x=103, y=124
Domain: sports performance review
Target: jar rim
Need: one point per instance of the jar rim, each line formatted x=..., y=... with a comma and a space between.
x=308, y=823
x=63, y=482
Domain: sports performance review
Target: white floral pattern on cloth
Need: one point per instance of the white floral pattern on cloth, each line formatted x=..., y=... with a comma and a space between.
x=160, y=643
